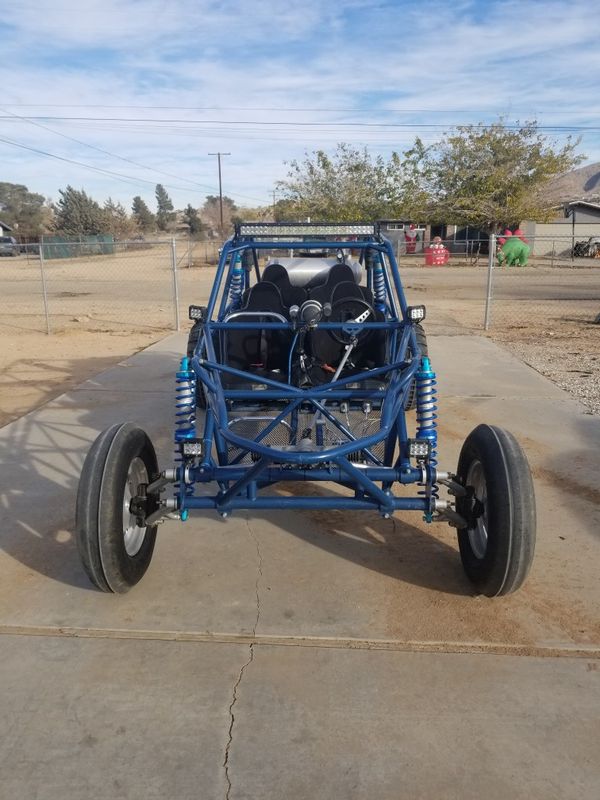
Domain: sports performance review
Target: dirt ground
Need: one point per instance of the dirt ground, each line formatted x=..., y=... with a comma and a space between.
x=35, y=367
x=105, y=308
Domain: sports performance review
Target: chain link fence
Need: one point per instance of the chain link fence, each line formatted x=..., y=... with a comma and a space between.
x=100, y=286
x=147, y=285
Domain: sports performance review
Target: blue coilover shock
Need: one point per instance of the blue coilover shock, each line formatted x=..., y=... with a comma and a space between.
x=185, y=402
x=379, y=290
x=185, y=419
x=427, y=421
x=236, y=287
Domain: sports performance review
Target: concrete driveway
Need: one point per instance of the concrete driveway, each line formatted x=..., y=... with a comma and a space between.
x=302, y=655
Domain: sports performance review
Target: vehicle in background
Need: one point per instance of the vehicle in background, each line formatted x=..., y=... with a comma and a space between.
x=8, y=246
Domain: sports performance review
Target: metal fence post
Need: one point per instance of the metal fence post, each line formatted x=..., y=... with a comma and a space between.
x=44, y=288
x=488, y=299
x=175, y=282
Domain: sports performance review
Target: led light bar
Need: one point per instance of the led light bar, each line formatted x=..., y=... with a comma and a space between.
x=272, y=230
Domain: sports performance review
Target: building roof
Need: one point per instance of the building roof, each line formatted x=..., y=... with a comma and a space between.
x=5, y=226
x=595, y=206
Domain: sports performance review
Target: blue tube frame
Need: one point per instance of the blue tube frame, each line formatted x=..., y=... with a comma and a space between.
x=240, y=483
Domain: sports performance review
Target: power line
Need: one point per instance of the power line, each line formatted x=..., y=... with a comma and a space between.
x=370, y=111
x=106, y=152
x=119, y=175
x=292, y=124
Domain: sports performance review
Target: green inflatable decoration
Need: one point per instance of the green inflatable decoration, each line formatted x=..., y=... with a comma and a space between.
x=514, y=251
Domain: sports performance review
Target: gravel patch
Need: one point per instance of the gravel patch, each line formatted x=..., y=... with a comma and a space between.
x=569, y=356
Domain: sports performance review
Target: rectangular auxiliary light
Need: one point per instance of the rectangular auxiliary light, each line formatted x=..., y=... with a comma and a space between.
x=197, y=312
x=419, y=448
x=192, y=448
x=268, y=230
x=416, y=313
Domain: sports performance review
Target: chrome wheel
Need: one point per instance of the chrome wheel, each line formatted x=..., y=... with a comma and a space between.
x=478, y=535
x=133, y=534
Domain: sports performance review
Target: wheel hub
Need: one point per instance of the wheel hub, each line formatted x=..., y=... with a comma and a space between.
x=134, y=533
x=478, y=520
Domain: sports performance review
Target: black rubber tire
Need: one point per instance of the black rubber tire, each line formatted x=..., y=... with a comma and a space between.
x=422, y=341
x=193, y=337
x=510, y=509
x=99, y=511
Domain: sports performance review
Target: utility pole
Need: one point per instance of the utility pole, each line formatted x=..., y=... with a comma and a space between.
x=218, y=155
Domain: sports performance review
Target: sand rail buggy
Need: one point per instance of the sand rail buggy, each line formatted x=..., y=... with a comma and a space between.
x=299, y=369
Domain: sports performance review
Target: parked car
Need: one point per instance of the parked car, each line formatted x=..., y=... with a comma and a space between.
x=8, y=246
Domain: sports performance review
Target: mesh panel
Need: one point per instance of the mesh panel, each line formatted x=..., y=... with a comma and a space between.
x=251, y=426
x=359, y=423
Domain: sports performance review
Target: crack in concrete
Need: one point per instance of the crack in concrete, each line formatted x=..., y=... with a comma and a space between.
x=232, y=722
x=244, y=666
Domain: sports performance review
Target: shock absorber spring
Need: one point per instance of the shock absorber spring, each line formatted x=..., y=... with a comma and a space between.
x=427, y=424
x=236, y=286
x=185, y=402
x=185, y=427
x=379, y=290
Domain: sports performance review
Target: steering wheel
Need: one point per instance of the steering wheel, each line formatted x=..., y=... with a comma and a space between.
x=351, y=309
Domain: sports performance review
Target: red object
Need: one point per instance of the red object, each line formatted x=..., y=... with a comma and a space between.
x=436, y=256
x=519, y=234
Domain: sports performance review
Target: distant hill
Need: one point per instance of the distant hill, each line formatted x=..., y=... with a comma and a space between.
x=579, y=184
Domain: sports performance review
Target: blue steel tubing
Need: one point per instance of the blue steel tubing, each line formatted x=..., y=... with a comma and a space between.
x=388, y=418
x=287, y=411
x=284, y=326
x=214, y=294
x=332, y=472
x=341, y=427
x=358, y=477
x=321, y=391
x=242, y=483
x=207, y=437
x=292, y=348
x=427, y=421
x=388, y=249
x=306, y=503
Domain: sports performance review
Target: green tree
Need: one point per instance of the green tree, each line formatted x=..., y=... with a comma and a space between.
x=25, y=211
x=142, y=215
x=192, y=220
x=117, y=221
x=165, y=214
x=492, y=176
x=347, y=185
x=211, y=213
x=77, y=214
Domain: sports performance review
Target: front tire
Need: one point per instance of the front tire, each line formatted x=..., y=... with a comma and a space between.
x=114, y=548
x=497, y=546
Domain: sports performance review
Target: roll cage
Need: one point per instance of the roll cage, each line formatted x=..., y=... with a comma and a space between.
x=281, y=444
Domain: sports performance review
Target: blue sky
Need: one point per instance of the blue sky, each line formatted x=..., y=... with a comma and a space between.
x=164, y=84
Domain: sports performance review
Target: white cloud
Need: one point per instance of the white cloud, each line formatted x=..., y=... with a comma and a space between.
x=520, y=59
